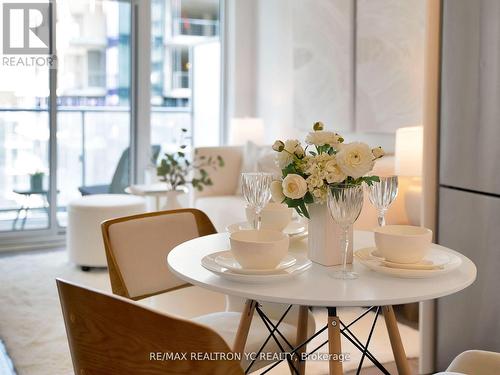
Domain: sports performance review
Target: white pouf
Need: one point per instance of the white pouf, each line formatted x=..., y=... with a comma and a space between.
x=85, y=215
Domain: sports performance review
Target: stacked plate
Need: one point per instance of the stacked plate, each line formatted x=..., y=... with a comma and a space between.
x=224, y=264
x=296, y=230
x=436, y=262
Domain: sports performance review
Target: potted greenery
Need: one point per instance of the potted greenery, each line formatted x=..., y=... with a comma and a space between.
x=178, y=171
x=36, y=181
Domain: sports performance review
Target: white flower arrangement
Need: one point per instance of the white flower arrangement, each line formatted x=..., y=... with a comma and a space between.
x=326, y=161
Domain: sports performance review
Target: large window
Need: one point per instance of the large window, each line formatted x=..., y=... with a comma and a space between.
x=90, y=125
x=93, y=95
x=179, y=30
x=66, y=132
x=24, y=148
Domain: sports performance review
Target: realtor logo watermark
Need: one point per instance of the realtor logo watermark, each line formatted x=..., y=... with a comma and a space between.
x=26, y=35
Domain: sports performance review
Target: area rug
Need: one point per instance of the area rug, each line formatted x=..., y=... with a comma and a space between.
x=32, y=328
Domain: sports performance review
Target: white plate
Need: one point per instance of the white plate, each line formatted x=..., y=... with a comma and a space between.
x=437, y=261
x=301, y=265
x=448, y=262
x=296, y=230
x=226, y=259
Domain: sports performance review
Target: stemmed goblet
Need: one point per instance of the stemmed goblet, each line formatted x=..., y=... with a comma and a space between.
x=256, y=188
x=345, y=203
x=382, y=194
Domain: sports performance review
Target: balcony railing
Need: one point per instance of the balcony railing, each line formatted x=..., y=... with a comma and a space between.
x=90, y=141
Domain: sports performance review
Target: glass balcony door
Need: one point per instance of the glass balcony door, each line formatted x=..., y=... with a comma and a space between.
x=25, y=172
x=93, y=99
x=65, y=132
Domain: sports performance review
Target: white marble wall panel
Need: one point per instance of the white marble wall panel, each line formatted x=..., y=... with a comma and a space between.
x=390, y=64
x=322, y=63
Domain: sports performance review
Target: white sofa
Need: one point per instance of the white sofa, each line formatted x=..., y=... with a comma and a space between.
x=224, y=204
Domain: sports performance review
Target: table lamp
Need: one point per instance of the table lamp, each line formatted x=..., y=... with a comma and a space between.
x=246, y=129
x=409, y=156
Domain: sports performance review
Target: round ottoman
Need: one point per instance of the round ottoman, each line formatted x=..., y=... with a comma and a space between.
x=85, y=215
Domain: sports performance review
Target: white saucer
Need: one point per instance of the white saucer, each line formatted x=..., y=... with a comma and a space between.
x=226, y=259
x=436, y=261
x=209, y=262
x=295, y=229
x=443, y=260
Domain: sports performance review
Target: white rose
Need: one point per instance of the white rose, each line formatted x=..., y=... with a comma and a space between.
x=321, y=138
x=294, y=186
x=378, y=152
x=318, y=126
x=335, y=175
x=285, y=157
x=299, y=151
x=278, y=146
x=355, y=159
x=320, y=195
x=331, y=166
x=314, y=181
x=277, y=191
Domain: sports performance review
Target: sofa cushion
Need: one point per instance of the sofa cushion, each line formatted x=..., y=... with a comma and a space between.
x=224, y=179
x=223, y=210
x=257, y=159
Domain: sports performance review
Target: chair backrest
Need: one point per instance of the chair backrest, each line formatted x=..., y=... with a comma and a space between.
x=111, y=335
x=121, y=177
x=137, y=247
x=477, y=362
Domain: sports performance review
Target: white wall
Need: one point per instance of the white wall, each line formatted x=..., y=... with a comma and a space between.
x=293, y=62
x=389, y=64
x=274, y=75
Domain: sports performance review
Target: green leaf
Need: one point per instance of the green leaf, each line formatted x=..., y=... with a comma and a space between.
x=294, y=202
x=308, y=198
x=303, y=208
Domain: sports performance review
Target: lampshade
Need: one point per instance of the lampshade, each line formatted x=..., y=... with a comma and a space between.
x=409, y=151
x=246, y=129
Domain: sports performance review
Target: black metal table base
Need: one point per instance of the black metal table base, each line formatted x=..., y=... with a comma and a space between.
x=291, y=353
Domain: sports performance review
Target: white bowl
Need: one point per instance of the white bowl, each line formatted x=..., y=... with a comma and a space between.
x=403, y=243
x=259, y=249
x=275, y=216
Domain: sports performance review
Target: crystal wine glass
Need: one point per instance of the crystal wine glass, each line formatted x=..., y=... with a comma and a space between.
x=256, y=188
x=382, y=194
x=345, y=203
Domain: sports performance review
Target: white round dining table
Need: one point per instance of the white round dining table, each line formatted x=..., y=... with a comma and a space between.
x=315, y=287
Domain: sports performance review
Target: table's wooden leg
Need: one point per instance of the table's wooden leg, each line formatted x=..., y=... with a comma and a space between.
x=244, y=326
x=396, y=344
x=334, y=346
x=301, y=337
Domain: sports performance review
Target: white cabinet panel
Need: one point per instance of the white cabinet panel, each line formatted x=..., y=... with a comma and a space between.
x=468, y=223
x=470, y=113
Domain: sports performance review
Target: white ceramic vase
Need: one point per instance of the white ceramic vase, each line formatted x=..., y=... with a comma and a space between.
x=173, y=200
x=324, y=239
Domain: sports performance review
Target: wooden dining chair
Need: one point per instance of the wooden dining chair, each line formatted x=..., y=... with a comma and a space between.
x=136, y=249
x=114, y=336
